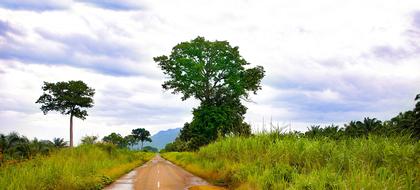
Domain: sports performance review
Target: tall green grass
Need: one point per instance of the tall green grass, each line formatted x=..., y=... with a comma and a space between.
x=271, y=161
x=84, y=167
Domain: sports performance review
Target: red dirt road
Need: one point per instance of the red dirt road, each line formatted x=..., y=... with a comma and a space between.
x=158, y=174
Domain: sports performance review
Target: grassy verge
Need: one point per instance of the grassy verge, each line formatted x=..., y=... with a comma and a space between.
x=289, y=162
x=84, y=167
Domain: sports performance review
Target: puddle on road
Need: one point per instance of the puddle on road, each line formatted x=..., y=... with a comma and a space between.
x=124, y=183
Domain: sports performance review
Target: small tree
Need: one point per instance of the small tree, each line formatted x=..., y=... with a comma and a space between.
x=141, y=135
x=59, y=142
x=116, y=139
x=68, y=98
x=89, y=139
x=130, y=140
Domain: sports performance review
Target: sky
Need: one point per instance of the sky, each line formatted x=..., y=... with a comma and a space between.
x=326, y=61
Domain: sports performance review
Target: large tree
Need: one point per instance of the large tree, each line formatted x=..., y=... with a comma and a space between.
x=214, y=73
x=68, y=98
x=209, y=71
x=141, y=135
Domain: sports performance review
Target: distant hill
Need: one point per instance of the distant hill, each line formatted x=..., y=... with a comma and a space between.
x=160, y=139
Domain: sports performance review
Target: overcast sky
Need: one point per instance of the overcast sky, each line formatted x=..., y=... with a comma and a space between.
x=326, y=61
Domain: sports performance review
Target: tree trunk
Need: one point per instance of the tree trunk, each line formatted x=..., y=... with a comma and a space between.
x=141, y=145
x=71, y=130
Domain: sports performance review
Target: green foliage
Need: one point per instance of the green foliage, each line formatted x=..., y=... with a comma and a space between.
x=290, y=161
x=416, y=128
x=68, y=98
x=141, y=135
x=214, y=73
x=177, y=145
x=89, y=140
x=116, y=139
x=150, y=149
x=59, y=142
x=208, y=71
x=130, y=140
x=14, y=147
x=83, y=167
x=136, y=135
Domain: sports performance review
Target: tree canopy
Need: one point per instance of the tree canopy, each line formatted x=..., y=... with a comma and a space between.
x=214, y=73
x=141, y=135
x=116, y=139
x=209, y=71
x=68, y=98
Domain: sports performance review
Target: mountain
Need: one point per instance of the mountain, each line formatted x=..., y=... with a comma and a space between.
x=160, y=139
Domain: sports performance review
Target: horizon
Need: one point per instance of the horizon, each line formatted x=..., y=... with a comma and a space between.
x=326, y=61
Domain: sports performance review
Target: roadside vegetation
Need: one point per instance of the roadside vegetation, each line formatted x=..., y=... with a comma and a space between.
x=88, y=166
x=367, y=154
x=288, y=161
x=44, y=164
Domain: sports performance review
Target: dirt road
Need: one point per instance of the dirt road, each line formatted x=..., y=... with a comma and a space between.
x=159, y=174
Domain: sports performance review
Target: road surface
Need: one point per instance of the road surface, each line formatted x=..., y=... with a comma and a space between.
x=158, y=174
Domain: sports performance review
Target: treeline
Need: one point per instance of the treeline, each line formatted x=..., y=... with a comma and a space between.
x=405, y=124
x=136, y=136
x=401, y=125
x=16, y=147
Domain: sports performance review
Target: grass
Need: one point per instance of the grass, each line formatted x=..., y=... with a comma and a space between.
x=84, y=167
x=270, y=161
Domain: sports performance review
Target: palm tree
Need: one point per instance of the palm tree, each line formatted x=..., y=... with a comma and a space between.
x=353, y=129
x=313, y=131
x=141, y=135
x=371, y=125
x=89, y=139
x=59, y=142
x=35, y=147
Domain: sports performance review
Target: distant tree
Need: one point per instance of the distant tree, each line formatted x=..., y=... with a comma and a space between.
x=417, y=117
x=59, y=142
x=116, y=139
x=313, y=131
x=354, y=129
x=141, y=135
x=371, y=125
x=150, y=149
x=131, y=140
x=14, y=146
x=403, y=123
x=89, y=140
x=36, y=146
x=214, y=73
x=177, y=145
x=68, y=98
